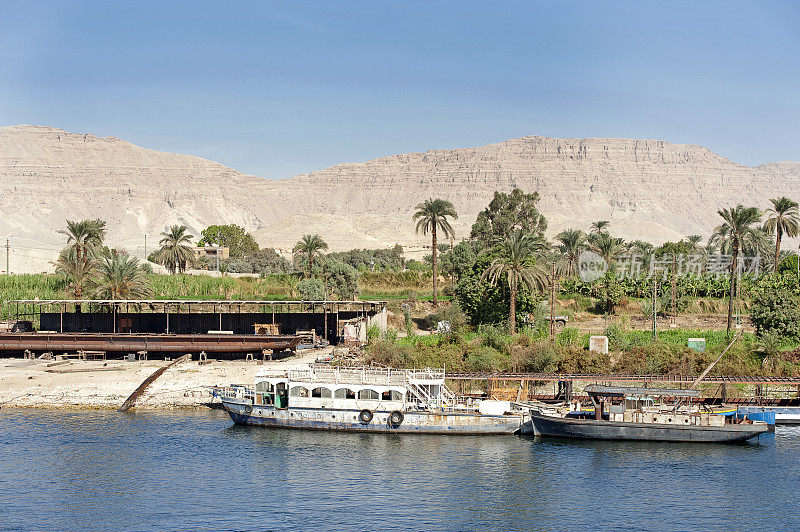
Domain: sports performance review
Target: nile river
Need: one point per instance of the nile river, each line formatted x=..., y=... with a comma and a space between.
x=67, y=470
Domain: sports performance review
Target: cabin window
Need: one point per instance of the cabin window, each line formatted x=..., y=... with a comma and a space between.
x=368, y=394
x=263, y=387
x=391, y=395
x=344, y=393
x=298, y=391
x=324, y=393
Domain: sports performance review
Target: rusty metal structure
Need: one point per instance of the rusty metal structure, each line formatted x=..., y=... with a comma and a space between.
x=176, y=326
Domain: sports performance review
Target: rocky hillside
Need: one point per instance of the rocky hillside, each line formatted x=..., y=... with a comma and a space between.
x=649, y=189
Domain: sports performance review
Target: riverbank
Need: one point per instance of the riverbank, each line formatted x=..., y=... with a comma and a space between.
x=106, y=384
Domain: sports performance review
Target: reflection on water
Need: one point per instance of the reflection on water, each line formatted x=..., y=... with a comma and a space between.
x=101, y=470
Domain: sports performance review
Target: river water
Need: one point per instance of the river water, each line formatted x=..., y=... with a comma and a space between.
x=82, y=469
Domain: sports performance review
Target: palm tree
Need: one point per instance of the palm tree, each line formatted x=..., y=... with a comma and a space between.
x=85, y=237
x=79, y=271
x=607, y=246
x=122, y=277
x=694, y=243
x=309, y=247
x=572, y=242
x=600, y=226
x=432, y=215
x=782, y=218
x=734, y=234
x=516, y=261
x=175, y=252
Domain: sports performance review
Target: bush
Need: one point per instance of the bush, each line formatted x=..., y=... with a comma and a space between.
x=774, y=310
x=311, y=289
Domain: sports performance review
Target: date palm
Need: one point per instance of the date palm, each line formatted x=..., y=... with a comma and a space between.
x=78, y=271
x=737, y=232
x=85, y=237
x=175, y=252
x=571, y=244
x=309, y=247
x=694, y=243
x=600, y=226
x=432, y=216
x=607, y=246
x=782, y=219
x=516, y=262
x=121, y=277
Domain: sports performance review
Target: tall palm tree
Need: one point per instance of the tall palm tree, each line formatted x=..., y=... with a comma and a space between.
x=782, y=218
x=310, y=247
x=175, y=253
x=432, y=215
x=516, y=261
x=571, y=244
x=600, y=226
x=78, y=270
x=85, y=237
x=122, y=277
x=736, y=231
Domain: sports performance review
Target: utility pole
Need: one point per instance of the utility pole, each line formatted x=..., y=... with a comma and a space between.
x=8, y=248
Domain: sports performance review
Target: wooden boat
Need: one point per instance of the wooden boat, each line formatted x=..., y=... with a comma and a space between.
x=633, y=414
x=364, y=399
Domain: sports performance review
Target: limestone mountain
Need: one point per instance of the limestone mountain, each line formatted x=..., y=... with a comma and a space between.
x=649, y=189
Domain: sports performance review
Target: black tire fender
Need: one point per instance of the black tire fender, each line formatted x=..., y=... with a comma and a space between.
x=248, y=409
x=365, y=416
x=396, y=419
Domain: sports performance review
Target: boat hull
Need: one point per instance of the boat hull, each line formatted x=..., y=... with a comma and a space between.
x=543, y=425
x=414, y=422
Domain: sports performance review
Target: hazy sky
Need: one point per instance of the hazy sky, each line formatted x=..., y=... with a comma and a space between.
x=279, y=88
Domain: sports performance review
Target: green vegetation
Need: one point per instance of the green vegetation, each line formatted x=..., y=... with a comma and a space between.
x=239, y=242
x=432, y=216
x=175, y=254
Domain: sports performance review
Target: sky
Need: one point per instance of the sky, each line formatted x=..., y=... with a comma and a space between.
x=279, y=88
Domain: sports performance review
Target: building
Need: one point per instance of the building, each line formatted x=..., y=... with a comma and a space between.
x=210, y=252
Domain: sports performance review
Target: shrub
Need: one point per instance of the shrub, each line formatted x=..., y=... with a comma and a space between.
x=774, y=310
x=311, y=289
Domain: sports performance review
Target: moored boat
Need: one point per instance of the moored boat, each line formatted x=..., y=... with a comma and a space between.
x=623, y=413
x=364, y=400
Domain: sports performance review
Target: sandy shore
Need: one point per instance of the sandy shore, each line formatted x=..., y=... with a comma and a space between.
x=98, y=384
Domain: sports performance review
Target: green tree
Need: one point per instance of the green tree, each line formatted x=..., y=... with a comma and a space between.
x=85, y=237
x=175, y=253
x=341, y=279
x=239, y=242
x=122, y=277
x=571, y=244
x=516, y=261
x=311, y=289
x=607, y=246
x=600, y=226
x=309, y=248
x=78, y=271
x=774, y=310
x=734, y=234
x=431, y=216
x=782, y=219
x=507, y=213
x=694, y=243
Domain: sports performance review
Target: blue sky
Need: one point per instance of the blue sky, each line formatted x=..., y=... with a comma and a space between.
x=279, y=88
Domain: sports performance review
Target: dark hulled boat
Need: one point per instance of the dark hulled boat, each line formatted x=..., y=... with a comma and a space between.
x=646, y=421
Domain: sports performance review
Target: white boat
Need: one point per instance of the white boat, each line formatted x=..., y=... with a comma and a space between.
x=364, y=399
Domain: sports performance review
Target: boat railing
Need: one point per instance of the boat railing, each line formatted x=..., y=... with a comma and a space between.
x=237, y=391
x=366, y=375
